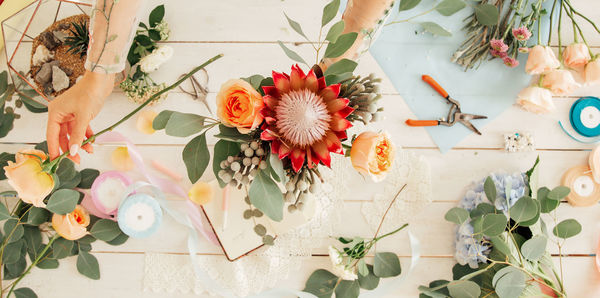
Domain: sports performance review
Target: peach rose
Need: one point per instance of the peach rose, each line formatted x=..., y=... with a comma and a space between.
x=592, y=72
x=576, y=55
x=536, y=100
x=239, y=105
x=541, y=59
x=201, y=193
x=372, y=154
x=25, y=175
x=560, y=82
x=72, y=226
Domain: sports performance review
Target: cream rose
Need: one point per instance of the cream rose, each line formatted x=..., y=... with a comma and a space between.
x=536, y=100
x=560, y=82
x=576, y=55
x=541, y=59
x=152, y=61
x=372, y=154
x=592, y=72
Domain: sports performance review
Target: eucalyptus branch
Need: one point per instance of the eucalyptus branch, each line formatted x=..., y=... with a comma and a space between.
x=140, y=107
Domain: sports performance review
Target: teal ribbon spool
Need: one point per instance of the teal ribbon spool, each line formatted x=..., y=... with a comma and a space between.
x=139, y=215
x=585, y=116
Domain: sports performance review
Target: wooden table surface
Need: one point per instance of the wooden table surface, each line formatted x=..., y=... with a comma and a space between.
x=246, y=31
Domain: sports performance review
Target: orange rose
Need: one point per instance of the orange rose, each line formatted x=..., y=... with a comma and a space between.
x=372, y=154
x=25, y=175
x=239, y=105
x=541, y=59
x=72, y=226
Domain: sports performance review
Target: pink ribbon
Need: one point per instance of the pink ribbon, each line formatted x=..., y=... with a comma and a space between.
x=164, y=185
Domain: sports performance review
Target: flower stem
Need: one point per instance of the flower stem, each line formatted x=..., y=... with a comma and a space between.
x=551, y=23
x=33, y=264
x=411, y=18
x=148, y=101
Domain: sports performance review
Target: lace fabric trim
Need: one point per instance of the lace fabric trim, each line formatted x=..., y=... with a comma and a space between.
x=257, y=272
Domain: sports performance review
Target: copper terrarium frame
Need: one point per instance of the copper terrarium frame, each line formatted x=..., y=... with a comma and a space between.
x=18, y=33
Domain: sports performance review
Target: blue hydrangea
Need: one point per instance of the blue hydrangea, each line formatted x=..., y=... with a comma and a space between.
x=468, y=249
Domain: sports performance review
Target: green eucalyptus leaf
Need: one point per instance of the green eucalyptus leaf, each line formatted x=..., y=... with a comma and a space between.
x=12, y=271
x=266, y=196
x=161, y=120
x=4, y=213
x=255, y=81
x=342, y=44
x=347, y=289
x=121, y=239
x=6, y=122
x=68, y=176
x=565, y=229
x=32, y=236
x=223, y=149
x=12, y=252
x=276, y=166
x=340, y=67
x=63, y=201
x=232, y=134
x=534, y=248
x=290, y=53
x=321, y=283
x=490, y=189
x=184, y=124
x=464, y=289
x=559, y=193
x=33, y=106
x=450, y=7
x=87, y=265
x=509, y=282
x=295, y=25
x=330, y=11
x=362, y=268
x=13, y=230
x=523, y=210
x=154, y=34
x=88, y=176
x=493, y=224
x=4, y=159
x=500, y=244
x=457, y=215
x=48, y=263
x=37, y=216
x=408, y=4
x=368, y=281
x=156, y=15
x=61, y=248
x=534, y=220
x=481, y=210
x=24, y=293
x=487, y=14
x=335, y=79
x=386, y=264
x=335, y=31
x=105, y=230
x=196, y=157
x=435, y=29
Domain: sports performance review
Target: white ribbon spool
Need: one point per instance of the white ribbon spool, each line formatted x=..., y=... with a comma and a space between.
x=590, y=117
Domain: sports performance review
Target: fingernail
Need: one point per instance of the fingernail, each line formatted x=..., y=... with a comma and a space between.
x=74, y=149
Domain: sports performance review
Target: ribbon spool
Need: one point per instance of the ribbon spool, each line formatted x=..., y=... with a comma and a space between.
x=139, y=214
x=108, y=190
x=585, y=116
x=584, y=190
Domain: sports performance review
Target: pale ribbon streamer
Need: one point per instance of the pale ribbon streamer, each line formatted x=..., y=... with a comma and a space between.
x=165, y=185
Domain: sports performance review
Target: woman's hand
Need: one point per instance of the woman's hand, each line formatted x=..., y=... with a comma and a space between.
x=70, y=113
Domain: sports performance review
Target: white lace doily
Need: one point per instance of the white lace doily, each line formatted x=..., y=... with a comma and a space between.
x=259, y=271
x=412, y=170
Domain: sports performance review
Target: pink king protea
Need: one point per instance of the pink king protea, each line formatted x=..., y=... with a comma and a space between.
x=305, y=120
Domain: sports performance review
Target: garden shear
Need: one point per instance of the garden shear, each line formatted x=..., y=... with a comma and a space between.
x=454, y=115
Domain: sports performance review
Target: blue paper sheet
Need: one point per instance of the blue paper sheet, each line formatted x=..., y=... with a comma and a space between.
x=405, y=53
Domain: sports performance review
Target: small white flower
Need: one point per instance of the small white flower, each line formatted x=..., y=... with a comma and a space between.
x=163, y=29
x=152, y=61
x=335, y=256
x=344, y=272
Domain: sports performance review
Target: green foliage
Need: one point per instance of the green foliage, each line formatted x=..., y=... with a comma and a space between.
x=184, y=124
x=266, y=196
x=156, y=15
x=341, y=67
x=330, y=11
x=321, y=283
x=493, y=224
x=160, y=121
x=24, y=293
x=196, y=157
x=567, y=228
x=523, y=210
x=4, y=159
x=87, y=265
x=435, y=29
x=490, y=189
x=290, y=53
x=335, y=31
x=509, y=282
x=223, y=149
x=408, y=4
x=276, y=168
x=487, y=14
x=457, y=215
x=534, y=248
x=88, y=176
x=63, y=201
x=232, y=134
x=450, y=7
x=368, y=281
x=464, y=288
x=105, y=230
x=79, y=39
x=347, y=289
x=341, y=45
x=386, y=264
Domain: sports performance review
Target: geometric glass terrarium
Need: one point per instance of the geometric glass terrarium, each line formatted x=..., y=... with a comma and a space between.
x=46, y=44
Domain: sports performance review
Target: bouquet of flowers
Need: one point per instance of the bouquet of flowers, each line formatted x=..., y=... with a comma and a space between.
x=502, y=241
x=276, y=132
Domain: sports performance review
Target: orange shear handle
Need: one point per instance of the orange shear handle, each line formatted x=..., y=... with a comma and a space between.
x=429, y=80
x=411, y=122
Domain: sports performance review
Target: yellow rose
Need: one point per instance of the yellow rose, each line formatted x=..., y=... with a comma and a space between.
x=25, y=175
x=239, y=105
x=372, y=154
x=72, y=226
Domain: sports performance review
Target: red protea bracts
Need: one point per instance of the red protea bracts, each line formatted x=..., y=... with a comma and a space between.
x=304, y=118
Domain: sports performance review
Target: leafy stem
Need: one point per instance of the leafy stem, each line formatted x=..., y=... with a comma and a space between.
x=33, y=264
x=148, y=101
x=411, y=18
